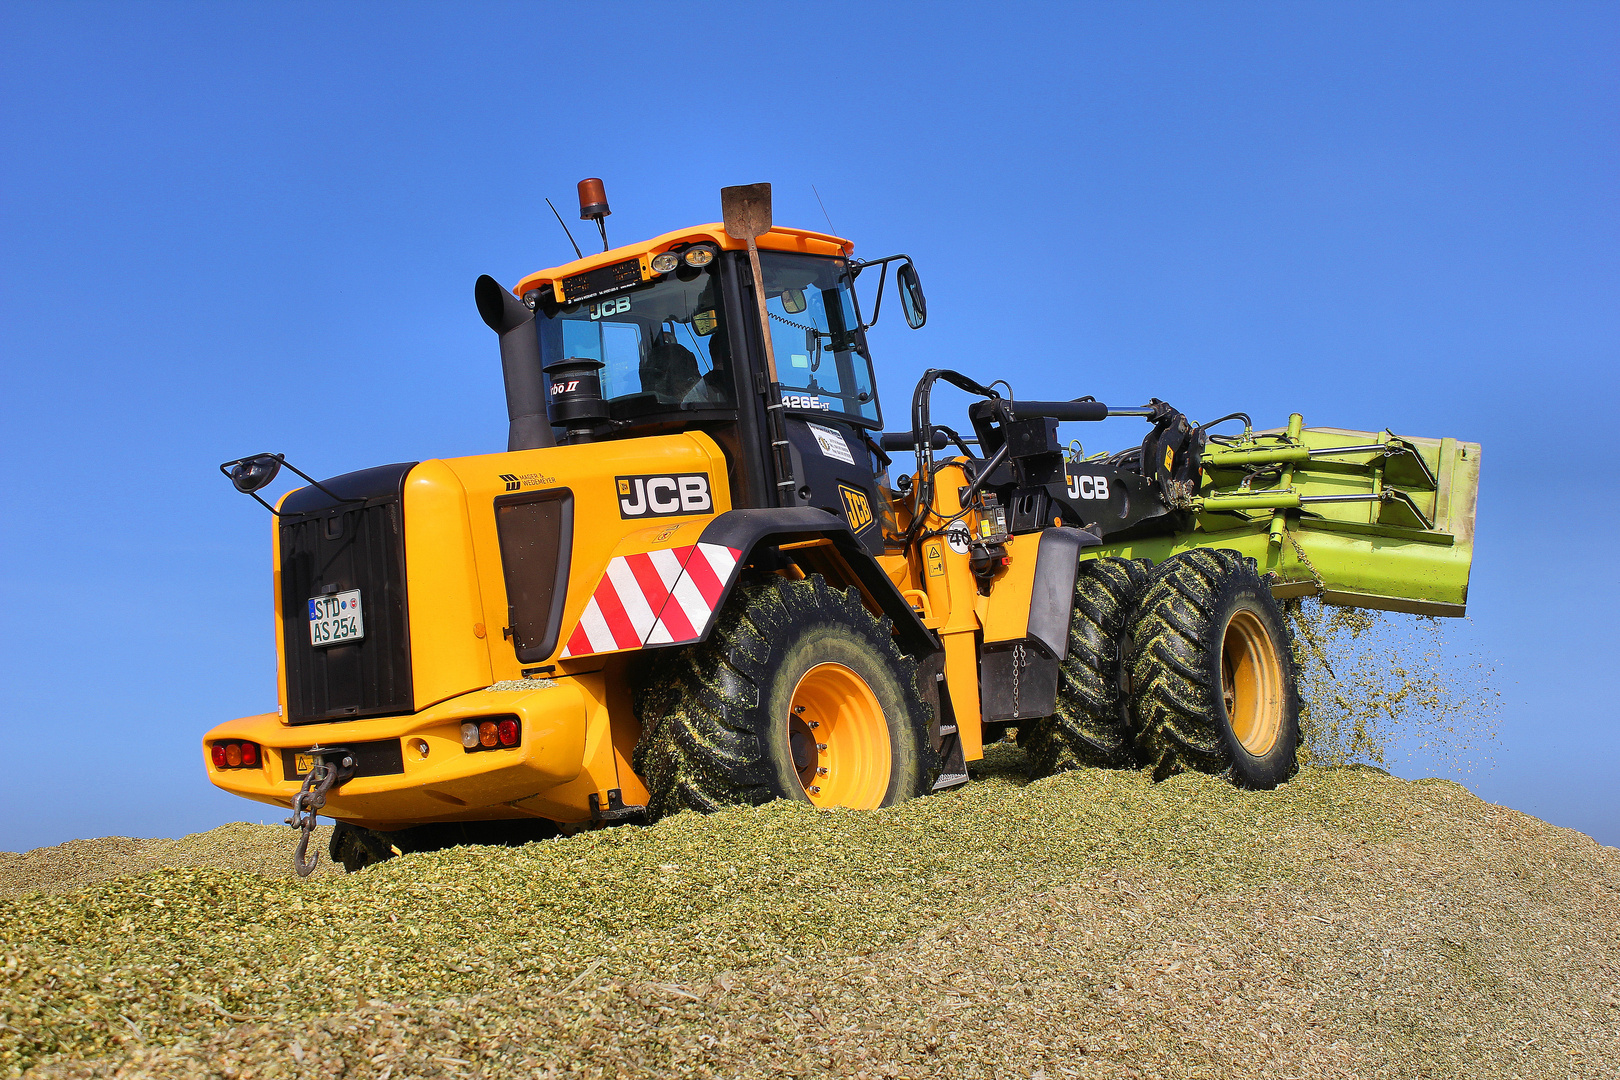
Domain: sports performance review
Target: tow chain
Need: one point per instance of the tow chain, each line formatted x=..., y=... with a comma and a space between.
x=1018, y=668
x=310, y=798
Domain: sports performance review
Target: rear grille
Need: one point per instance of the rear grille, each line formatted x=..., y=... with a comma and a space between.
x=332, y=546
x=536, y=532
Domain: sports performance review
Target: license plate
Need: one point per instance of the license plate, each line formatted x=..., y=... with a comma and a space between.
x=336, y=619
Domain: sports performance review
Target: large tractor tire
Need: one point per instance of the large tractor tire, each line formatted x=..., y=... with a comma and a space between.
x=799, y=693
x=1090, y=728
x=1212, y=672
x=356, y=848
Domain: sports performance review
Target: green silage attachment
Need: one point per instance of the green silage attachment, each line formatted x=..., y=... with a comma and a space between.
x=1366, y=519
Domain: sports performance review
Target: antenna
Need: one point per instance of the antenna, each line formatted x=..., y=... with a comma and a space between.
x=578, y=254
x=824, y=211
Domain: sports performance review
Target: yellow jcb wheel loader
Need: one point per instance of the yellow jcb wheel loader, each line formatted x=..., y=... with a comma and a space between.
x=688, y=582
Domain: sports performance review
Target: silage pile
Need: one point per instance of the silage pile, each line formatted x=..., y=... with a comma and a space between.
x=77, y=863
x=1089, y=925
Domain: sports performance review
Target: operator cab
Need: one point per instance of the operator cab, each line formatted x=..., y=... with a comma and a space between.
x=670, y=330
x=665, y=344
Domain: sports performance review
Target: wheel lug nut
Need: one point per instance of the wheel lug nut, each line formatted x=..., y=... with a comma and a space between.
x=821, y=746
x=821, y=771
x=815, y=789
x=814, y=723
x=798, y=708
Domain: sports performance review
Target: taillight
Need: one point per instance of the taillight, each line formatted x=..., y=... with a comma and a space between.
x=234, y=755
x=496, y=733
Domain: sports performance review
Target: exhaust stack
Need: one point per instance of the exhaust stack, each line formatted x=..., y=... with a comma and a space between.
x=520, y=363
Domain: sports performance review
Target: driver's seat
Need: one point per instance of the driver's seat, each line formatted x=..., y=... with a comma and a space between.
x=669, y=369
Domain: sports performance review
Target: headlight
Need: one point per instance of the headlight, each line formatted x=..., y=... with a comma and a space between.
x=665, y=261
x=702, y=255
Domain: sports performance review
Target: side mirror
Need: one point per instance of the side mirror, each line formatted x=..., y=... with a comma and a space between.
x=793, y=301
x=251, y=474
x=911, y=295
x=248, y=475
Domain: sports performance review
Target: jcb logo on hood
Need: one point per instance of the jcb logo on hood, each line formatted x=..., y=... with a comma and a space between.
x=660, y=496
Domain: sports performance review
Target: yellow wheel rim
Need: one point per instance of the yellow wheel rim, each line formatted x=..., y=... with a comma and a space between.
x=839, y=739
x=1251, y=683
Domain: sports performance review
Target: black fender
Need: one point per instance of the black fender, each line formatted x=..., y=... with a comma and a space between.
x=750, y=531
x=1051, y=601
x=1018, y=678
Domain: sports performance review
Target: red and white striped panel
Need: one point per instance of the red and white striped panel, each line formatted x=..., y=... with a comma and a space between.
x=654, y=598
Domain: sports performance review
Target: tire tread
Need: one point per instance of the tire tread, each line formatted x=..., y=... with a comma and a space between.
x=1173, y=707
x=701, y=746
x=1089, y=729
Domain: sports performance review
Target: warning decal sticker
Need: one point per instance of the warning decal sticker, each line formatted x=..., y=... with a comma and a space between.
x=832, y=443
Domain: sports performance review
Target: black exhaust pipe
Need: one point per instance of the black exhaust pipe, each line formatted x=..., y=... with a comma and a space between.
x=520, y=363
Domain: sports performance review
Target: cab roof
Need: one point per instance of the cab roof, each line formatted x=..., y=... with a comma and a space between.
x=779, y=238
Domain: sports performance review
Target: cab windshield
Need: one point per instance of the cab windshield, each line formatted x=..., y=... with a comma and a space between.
x=821, y=358
x=662, y=344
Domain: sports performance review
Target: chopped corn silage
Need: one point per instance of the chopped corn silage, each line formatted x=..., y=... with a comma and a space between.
x=1091, y=924
x=1373, y=683
x=260, y=849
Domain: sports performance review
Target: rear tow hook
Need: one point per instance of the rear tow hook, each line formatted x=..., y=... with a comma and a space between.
x=334, y=766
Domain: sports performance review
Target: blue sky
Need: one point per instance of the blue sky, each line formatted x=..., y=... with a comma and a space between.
x=234, y=228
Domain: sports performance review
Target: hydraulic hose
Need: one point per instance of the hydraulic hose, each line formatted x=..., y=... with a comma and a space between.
x=922, y=430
